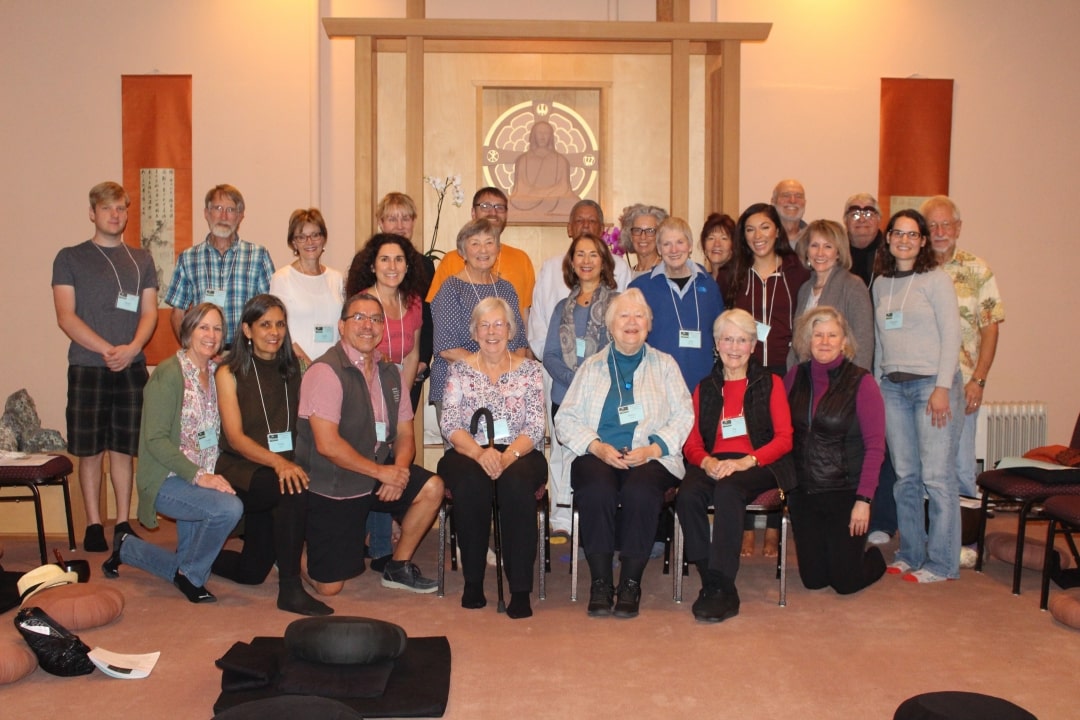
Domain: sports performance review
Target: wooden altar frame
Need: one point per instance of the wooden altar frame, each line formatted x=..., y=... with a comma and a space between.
x=672, y=34
x=720, y=43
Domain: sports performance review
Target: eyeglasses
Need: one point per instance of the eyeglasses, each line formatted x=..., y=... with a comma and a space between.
x=317, y=235
x=910, y=234
x=485, y=206
x=638, y=232
x=397, y=218
x=945, y=226
x=224, y=210
x=485, y=326
x=858, y=213
x=735, y=340
x=364, y=317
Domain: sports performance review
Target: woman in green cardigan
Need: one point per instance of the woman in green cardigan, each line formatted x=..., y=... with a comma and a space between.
x=178, y=449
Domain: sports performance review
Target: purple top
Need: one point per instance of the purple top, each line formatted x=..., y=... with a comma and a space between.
x=870, y=410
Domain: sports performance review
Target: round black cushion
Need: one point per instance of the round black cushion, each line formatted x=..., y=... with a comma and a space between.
x=344, y=640
x=290, y=707
x=959, y=706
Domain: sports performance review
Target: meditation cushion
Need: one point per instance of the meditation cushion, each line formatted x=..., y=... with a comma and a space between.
x=344, y=640
x=290, y=707
x=1003, y=547
x=1065, y=608
x=17, y=660
x=81, y=606
x=959, y=706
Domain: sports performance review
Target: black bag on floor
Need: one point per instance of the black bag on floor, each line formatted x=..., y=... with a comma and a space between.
x=59, y=651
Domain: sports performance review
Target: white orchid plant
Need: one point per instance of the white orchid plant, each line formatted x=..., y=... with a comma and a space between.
x=452, y=184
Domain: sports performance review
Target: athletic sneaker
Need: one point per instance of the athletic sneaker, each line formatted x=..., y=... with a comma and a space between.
x=898, y=567
x=878, y=537
x=404, y=575
x=923, y=576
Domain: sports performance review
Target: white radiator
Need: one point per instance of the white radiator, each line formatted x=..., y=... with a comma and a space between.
x=1008, y=429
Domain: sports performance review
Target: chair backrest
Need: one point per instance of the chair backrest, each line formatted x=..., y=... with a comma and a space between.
x=1075, y=442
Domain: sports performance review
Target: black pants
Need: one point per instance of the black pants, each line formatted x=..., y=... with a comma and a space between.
x=828, y=555
x=600, y=489
x=273, y=532
x=729, y=497
x=472, y=488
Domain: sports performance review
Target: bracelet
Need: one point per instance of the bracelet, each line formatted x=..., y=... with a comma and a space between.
x=863, y=498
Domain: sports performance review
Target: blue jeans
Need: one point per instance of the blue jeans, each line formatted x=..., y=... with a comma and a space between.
x=923, y=457
x=965, y=456
x=204, y=519
x=380, y=527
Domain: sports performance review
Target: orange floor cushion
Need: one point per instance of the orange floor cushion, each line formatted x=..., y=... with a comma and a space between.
x=1002, y=546
x=17, y=660
x=80, y=606
x=1065, y=607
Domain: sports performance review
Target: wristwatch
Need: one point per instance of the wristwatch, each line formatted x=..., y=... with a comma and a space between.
x=981, y=382
x=515, y=453
x=863, y=498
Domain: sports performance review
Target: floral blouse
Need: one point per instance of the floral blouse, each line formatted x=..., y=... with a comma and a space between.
x=198, y=412
x=517, y=398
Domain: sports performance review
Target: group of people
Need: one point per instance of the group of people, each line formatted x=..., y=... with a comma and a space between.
x=801, y=356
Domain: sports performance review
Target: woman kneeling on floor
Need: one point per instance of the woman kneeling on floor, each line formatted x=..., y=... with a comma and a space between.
x=839, y=421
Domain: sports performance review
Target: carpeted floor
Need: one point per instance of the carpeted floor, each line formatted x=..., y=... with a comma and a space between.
x=822, y=656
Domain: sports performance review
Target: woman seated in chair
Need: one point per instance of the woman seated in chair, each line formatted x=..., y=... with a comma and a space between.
x=742, y=411
x=258, y=395
x=512, y=389
x=178, y=452
x=626, y=416
x=839, y=421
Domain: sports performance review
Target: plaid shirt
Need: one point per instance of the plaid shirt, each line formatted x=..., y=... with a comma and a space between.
x=658, y=386
x=243, y=272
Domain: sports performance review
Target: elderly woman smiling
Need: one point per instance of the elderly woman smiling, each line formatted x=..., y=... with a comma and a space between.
x=685, y=300
x=739, y=447
x=626, y=416
x=452, y=307
x=512, y=389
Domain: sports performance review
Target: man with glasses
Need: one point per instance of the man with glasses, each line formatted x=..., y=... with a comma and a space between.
x=512, y=265
x=981, y=311
x=862, y=217
x=361, y=461
x=789, y=199
x=223, y=269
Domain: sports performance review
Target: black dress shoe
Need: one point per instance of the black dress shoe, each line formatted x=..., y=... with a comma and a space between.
x=195, y=594
x=111, y=567
x=601, y=598
x=94, y=539
x=626, y=606
x=713, y=606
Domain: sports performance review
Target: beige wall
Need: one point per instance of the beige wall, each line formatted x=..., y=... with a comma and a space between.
x=273, y=114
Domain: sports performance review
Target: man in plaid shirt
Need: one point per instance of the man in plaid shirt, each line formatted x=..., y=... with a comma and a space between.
x=223, y=269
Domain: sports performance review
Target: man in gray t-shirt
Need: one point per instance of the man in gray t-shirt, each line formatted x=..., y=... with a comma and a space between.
x=105, y=294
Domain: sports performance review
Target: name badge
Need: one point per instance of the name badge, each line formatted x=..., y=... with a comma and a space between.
x=732, y=427
x=631, y=413
x=207, y=439
x=279, y=442
x=690, y=338
x=502, y=430
x=894, y=319
x=763, y=331
x=124, y=301
x=579, y=344
x=380, y=431
x=216, y=296
x=324, y=333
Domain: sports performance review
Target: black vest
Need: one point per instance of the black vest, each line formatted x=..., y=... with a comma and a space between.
x=828, y=447
x=759, y=425
x=357, y=427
